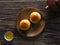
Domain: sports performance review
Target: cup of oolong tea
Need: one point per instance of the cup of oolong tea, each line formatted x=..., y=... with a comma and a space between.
x=9, y=36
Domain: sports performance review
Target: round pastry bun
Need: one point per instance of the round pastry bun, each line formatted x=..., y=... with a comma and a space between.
x=24, y=24
x=35, y=17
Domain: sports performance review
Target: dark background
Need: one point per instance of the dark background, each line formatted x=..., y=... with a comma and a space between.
x=8, y=13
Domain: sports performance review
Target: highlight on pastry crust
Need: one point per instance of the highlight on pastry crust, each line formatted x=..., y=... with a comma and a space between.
x=35, y=17
x=24, y=24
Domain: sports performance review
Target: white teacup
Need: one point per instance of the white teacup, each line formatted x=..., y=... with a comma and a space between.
x=9, y=36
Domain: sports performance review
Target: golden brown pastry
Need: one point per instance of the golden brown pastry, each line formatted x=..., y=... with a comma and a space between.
x=35, y=17
x=24, y=24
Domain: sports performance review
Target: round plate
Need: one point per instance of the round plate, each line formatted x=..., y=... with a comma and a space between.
x=35, y=29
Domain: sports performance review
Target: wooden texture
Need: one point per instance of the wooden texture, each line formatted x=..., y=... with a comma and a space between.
x=8, y=13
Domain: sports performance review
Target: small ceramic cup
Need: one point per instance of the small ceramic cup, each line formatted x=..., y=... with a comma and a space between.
x=9, y=36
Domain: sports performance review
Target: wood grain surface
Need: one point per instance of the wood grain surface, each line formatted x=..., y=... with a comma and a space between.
x=8, y=14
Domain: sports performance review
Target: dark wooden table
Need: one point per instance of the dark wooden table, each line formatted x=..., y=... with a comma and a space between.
x=8, y=13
